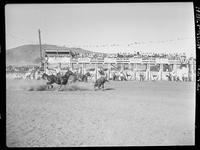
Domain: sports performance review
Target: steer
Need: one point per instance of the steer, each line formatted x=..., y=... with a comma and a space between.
x=100, y=82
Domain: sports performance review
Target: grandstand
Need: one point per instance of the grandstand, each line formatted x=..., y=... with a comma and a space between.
x=151, y=64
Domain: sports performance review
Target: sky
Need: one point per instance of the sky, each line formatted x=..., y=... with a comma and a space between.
x=112, y=27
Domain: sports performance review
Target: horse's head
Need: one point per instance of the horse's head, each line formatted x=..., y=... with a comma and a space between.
x=44, y=75
x=105, y=79
x=68, y=73
x=101, y=72
x=88, y=74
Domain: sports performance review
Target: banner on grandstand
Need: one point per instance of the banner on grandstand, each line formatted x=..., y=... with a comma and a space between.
x=148, y=61
x=73, y=60
x=84, y=60
x=162, y=61
x=174, y=61
x=58, y=60
x=110, y=60
x=135, y=60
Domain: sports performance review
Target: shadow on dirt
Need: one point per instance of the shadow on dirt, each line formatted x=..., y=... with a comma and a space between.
x=56, y=88
x=38, y=88
x=109, y=89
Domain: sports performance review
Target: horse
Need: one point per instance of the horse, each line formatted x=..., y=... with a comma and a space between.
x=100, y=83
x=64, y=79
x=51, y=78
x=83, y=77
x=73, y=78
x=60, y=80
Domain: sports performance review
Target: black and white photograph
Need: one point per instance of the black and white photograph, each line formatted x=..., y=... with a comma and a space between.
x=100, y=74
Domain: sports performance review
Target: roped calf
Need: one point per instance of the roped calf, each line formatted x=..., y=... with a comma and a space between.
x=100, y=83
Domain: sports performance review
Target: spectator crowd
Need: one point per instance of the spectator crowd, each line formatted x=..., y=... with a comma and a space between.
x=152, y=55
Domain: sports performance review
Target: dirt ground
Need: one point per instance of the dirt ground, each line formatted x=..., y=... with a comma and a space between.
x=127, y=113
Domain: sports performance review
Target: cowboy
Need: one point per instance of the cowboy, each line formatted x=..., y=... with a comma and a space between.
x=58, y=70
x=173, y=75
x=100, y=72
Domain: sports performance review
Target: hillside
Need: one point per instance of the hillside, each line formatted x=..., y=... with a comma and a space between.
x=30, y=54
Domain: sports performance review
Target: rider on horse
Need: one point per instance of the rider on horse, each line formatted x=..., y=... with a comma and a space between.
x=58, y=72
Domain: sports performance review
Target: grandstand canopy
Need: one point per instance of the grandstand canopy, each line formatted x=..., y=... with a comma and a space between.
x=57, y=52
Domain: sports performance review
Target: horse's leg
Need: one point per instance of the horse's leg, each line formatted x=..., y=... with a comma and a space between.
x=103, y=87
x=94, y=88
x=48, y=83
x=48, y=86
x=99, y=86
x=126, y=79
x=60, y=86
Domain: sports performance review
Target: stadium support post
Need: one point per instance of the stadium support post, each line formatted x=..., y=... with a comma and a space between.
x=148, y=72
x=129, y=66
x=123, y=66
x=174, y=67
x=82, y=68
x=161, y=71
x=45, y=66
x=191, y=70
x=59, y=65
x=109, y=70
x=72, y=67
x=96, y=71
x=135, y=70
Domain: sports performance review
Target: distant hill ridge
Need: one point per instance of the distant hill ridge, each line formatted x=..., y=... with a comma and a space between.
x=30, y=54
